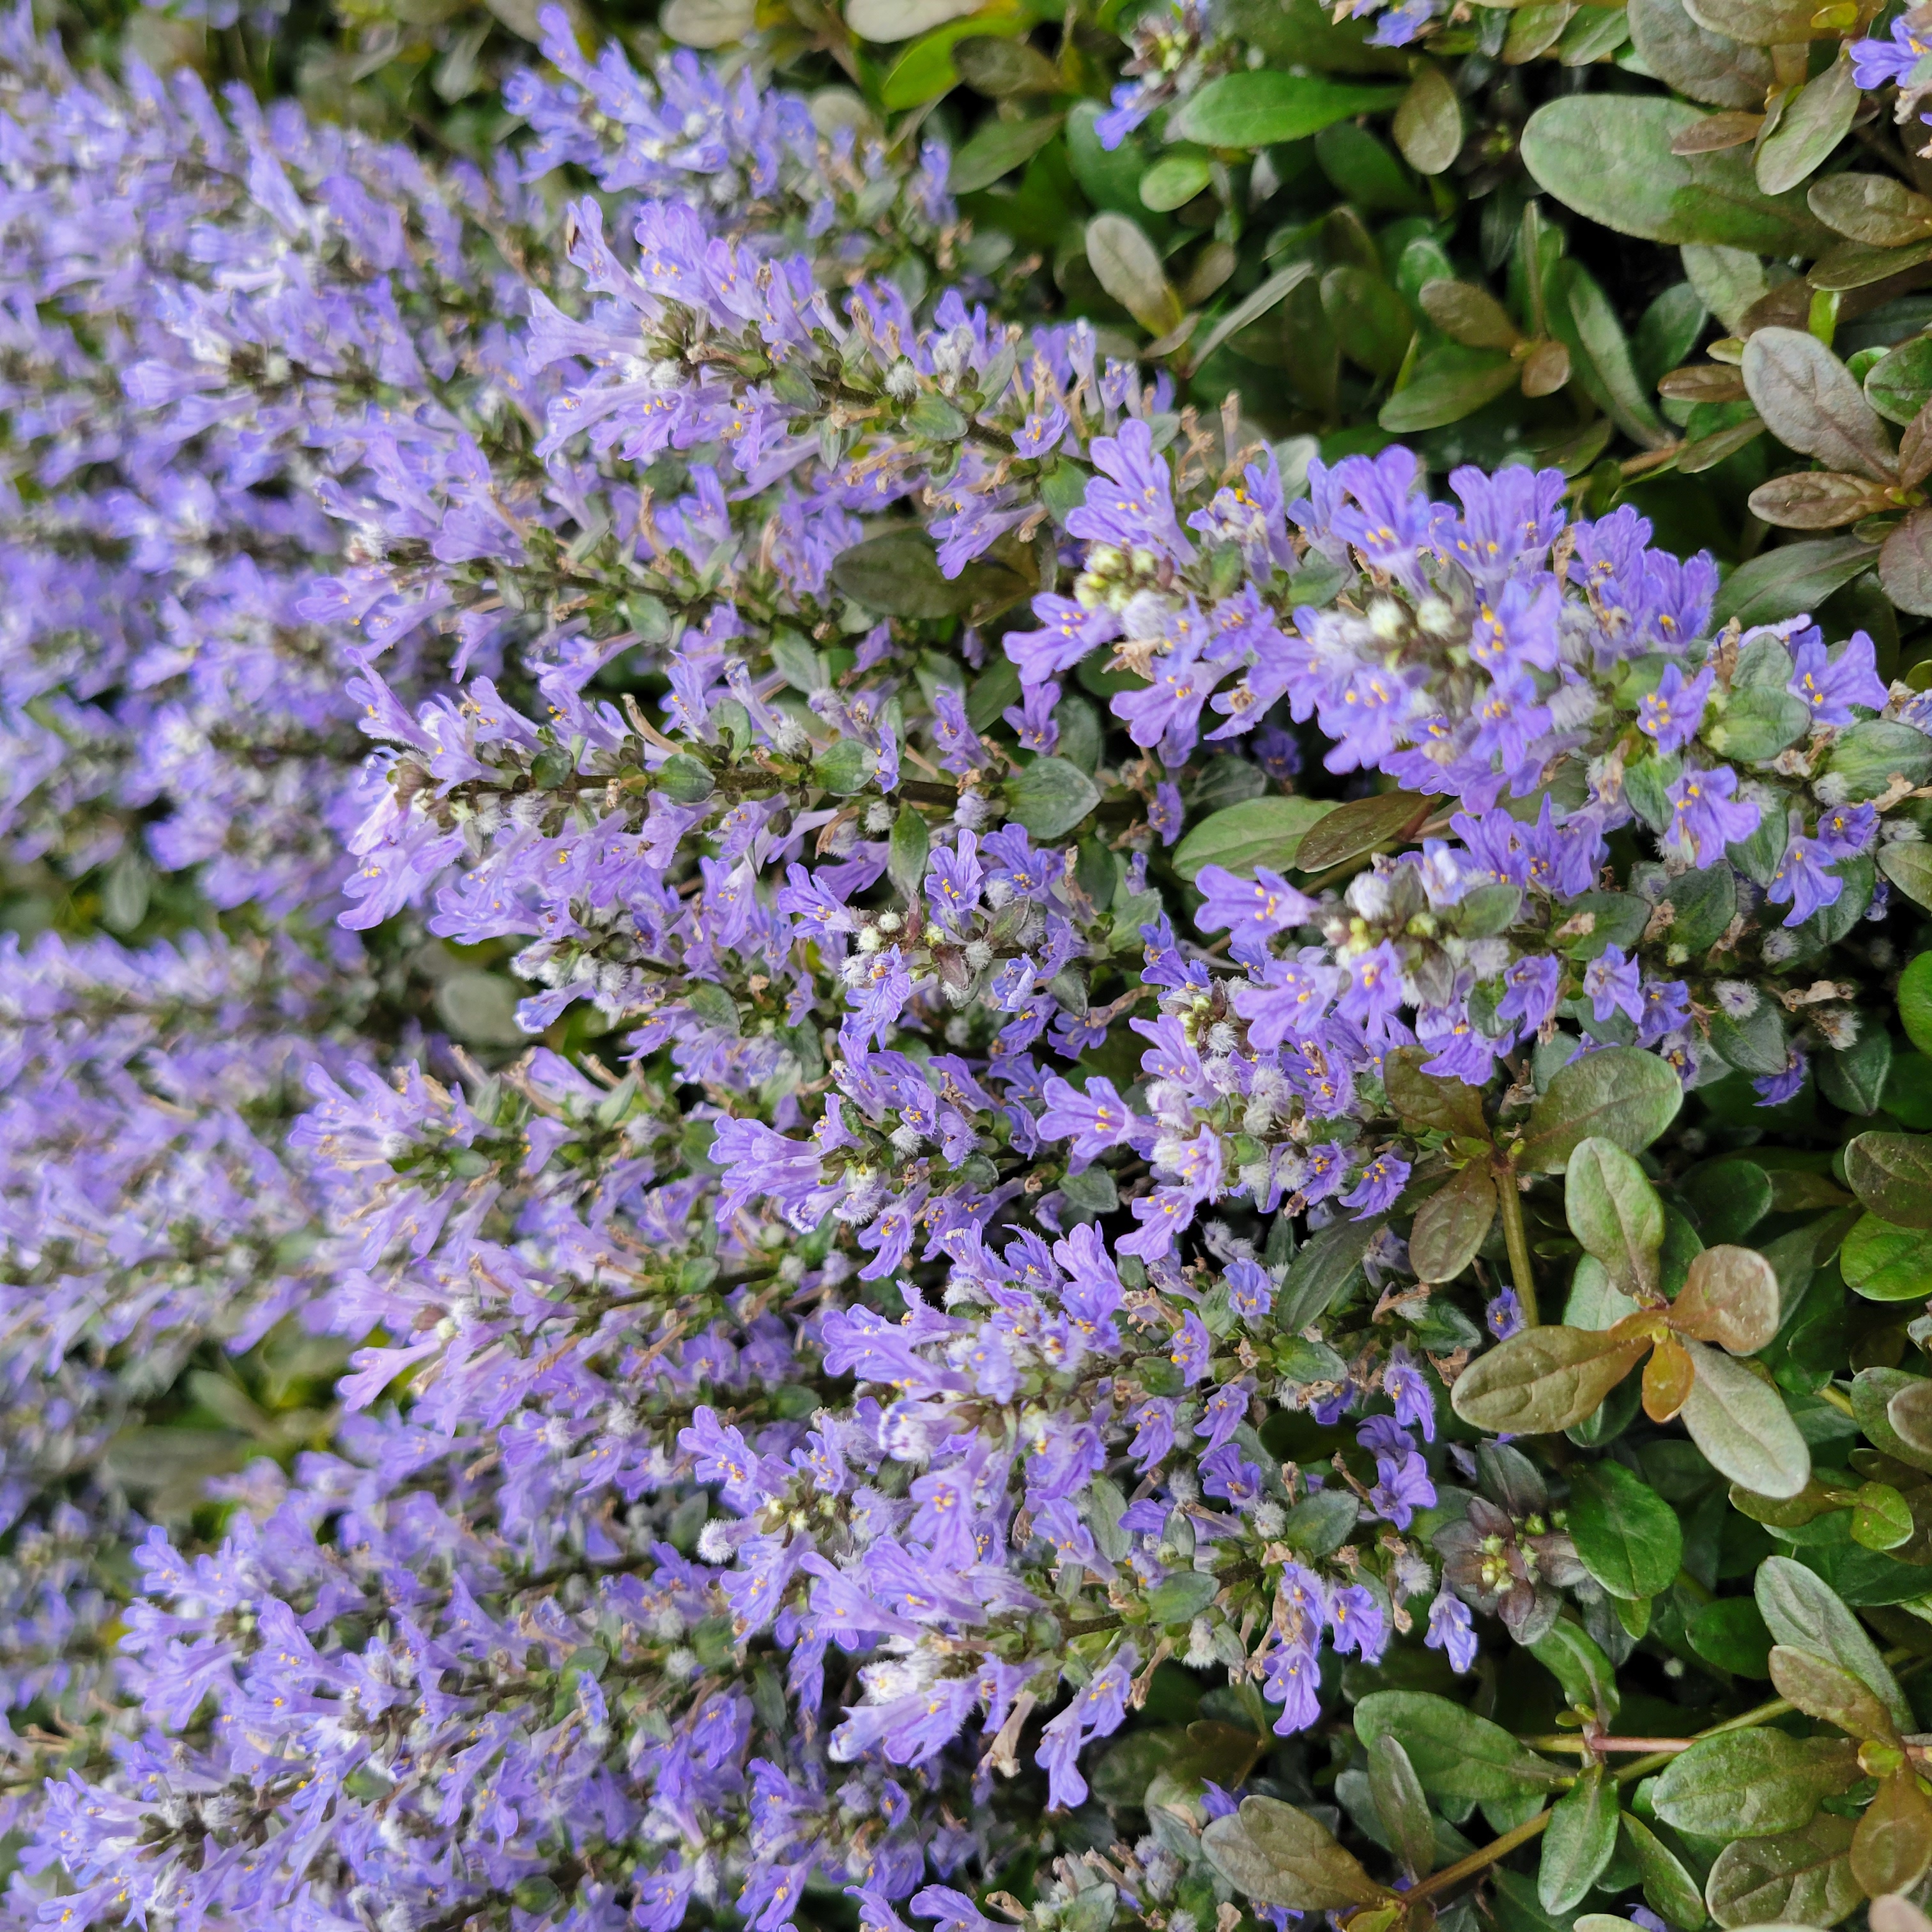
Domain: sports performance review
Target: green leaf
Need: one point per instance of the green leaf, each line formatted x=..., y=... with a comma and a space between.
x=1249, y=309
x=1608, y=156
x=1319, y=1524
x=1854, y=1077
x=1804, y=1611
x=1877, y=210
x=1757, y=723
x=1909, y=867
x=1729, y=1198
x=1401, y=1806
x=1703, y=904
x=1451, y=1225
x=1891, y=1174
x=1821, y=1689
x=1731, y=1634
x=911, y=843
x=1743, y=1427
x=1754, y=1044
x=998, y=147
x=1799, y=1878
x=845, y=767
x=1620, y=1094
x=1051, y=797
x=1262, y=108
x=1811, y=127
x=1326, y=1263
x=1812, y=404
x=1362, y=825
x=1258, y=832
x=1428, y=125
x=1884, y=1263
x=1456, y=1755
x=1670, y=1889
x=1277, y=1855
x=1778, y=584
x=1615, y=1213
x=925, y=71
x=889, y=20
x=1627, y=1536
x=1915, y=1001
x=1749, y=1783
x=1174, y=182
x=1364, y=172
x=1181, y=1598
x=1899, y=384
x=1448, y=385
x=1764, y=23
x=1126, y=265
x=1596, y=338
x=1873, y=1392
x=1577, y=1845
x=1123, y=1772
x=1544, y=1379
x=897, y=574
x=1469, y=315
x=1873, y=751
x=1695, y=61
x=1589, y=1679
x=1372, y=324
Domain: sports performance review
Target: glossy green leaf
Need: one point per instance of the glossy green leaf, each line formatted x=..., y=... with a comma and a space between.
x=1615, y=1213
x=1457, y=1754
x=1670, y=1889
x=1277, y=1855
x=1258, y=832
x=1402, y=1805
x=1802, y=1610
x=1362, y=825
x=1882, y=1262
x=1261, y=108
x=1620, y=1094
x=1891, y=1174
x=1577, y=1845
x=1627, y=1536
x=1608, y=156
x=1811, y=126
x=1802, y=1877
x=1749, y=1783
x=1051, y=797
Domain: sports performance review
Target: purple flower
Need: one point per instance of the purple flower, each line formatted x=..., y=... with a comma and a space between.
x=1130, y=503
x=1708, y=814
x=1831, y=686
x=1291, y=1678
x=1613, y=984
x=1381, y=1180
x=1505, y=1315
x=1801, y=879
x=1452, y=1630
x=1774, y=1089
x=1357, y=1619
x=1190, y=1348
x=1254, y=909
x=1532, y=985
x=1905, y=61
x=1672, y=713
x=1846, y=830
x=1404, y=1384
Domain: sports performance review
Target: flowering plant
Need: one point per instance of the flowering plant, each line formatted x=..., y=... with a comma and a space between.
x=812, y=1071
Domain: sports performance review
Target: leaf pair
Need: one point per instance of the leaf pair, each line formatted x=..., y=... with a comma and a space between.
x=1550, y=1378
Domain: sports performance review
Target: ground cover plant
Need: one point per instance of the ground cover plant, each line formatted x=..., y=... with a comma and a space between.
x=963, y=970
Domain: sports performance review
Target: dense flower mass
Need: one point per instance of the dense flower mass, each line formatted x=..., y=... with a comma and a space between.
x=793, y=1083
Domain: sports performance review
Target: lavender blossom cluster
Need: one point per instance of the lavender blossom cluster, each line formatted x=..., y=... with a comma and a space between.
x=921, y=1299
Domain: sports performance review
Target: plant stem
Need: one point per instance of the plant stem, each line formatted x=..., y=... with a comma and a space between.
x=1570, y=1740
x=1522, y=1273
x=1499, y=1849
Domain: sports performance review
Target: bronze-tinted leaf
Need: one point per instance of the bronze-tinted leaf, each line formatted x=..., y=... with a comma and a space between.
x=1826, y=1690
x=1469, y=315
x=1716, y=132
x=1818, y=499
x=1905, y=564
x=1812, y=404
x=1667, y=1379
x=1703, y=382
x=1544, y=1379
x=1892, y=1845
x=1427, y=1100
x=1876, y=209
x=1359, y=826
x=1451, y=1225
x=1729, y=1297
